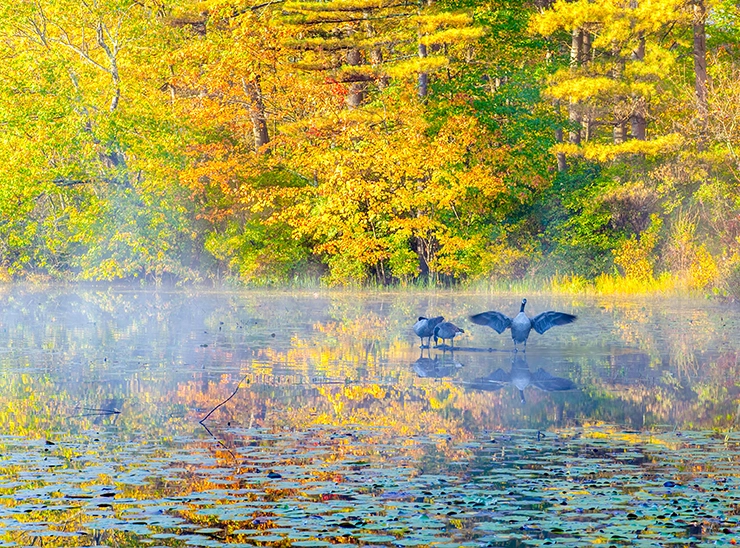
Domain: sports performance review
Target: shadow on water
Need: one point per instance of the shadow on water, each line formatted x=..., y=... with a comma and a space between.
x=448, y=348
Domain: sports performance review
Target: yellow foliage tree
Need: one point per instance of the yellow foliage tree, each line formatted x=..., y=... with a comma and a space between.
x=618, y=85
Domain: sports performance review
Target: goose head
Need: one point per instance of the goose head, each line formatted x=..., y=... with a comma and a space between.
x=524, y=302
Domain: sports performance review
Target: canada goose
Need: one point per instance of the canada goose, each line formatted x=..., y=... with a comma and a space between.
x=425, y=328
x=446, y=330
x=522, y=324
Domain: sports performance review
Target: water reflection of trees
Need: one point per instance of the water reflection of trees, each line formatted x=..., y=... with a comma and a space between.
x=342, y=357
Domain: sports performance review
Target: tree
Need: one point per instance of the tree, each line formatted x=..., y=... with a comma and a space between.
x=88, y=128
x=621, y=56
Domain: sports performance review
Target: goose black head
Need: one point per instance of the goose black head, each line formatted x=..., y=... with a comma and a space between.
x=422, y=318
x=524, y=301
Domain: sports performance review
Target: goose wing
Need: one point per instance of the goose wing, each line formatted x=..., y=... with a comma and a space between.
x=425, y=326
x=495, y=320
x=547, y=382
x=420, y=327
x=546, y=320
x=434, y=322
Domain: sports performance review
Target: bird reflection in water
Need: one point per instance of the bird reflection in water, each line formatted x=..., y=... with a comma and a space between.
x=437, y=367
x=522, y=377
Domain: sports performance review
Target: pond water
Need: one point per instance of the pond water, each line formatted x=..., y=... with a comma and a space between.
x=196, y=418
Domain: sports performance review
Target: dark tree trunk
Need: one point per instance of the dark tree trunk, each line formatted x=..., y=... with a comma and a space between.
x=620, y=127
x=586, y=51
x=638, y=122
x=638, y=126
x=562, y=163
x=376, y=58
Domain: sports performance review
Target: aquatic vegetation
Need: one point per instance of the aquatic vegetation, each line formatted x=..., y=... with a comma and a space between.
x=326, y=485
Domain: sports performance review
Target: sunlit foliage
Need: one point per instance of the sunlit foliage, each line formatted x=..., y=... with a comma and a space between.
x=357, y=141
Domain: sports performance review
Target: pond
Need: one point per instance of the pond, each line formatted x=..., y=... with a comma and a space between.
x=197, y=418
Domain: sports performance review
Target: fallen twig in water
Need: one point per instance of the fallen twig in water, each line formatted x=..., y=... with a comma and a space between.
x=202, y=421
x=238, y=386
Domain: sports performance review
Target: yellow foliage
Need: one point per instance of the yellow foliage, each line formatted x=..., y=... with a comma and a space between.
x=703, y=270
x=453, y=36
x=336, y=5
x=428, y=23
x=634, y=255
x=585, y=88
x=569, y=15
x=651, y=148
x=415, y=65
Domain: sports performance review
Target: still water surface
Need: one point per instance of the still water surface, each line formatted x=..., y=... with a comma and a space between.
x=176, y=418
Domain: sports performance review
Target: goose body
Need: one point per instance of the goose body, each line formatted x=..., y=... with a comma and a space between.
x=424, y=328
x=521, y=324
x=446, y=330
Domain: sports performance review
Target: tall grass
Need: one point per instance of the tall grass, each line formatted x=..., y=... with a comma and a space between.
x=614, y=284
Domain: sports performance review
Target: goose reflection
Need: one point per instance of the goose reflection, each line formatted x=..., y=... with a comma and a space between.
x=522, y=377
x=436, y=368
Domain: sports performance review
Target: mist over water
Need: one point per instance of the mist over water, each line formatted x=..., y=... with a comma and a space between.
x=114, y=342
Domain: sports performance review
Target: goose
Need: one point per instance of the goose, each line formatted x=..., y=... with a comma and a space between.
x=425, y=328
x=446, y=330
x=522, y=324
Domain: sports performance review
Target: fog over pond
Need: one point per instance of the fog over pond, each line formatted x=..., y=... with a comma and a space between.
x=336, y=427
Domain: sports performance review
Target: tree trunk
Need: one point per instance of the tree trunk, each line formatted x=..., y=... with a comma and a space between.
x=253, y=91
x=638, y=122
x=620, y=130
x=423, y=76
x=700, y=58
x=576, y=50
x=638, y=126
x=376, y=58
x=586, y=51
x=356, y=89
x=562, y=163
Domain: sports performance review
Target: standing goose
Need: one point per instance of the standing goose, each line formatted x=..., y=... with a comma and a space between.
x=446, y=330
x=522, y=324
x=424, y=328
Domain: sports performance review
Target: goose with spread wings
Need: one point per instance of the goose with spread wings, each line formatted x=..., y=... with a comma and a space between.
x=522, y=324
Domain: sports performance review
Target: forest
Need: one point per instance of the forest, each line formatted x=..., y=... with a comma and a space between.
x=585, y=143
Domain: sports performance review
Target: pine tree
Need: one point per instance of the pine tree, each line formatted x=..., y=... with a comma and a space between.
x=360, y=45
x=617, y=86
